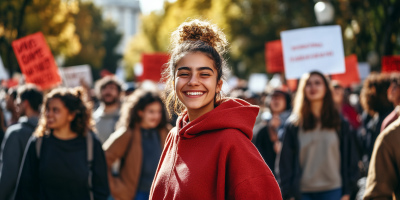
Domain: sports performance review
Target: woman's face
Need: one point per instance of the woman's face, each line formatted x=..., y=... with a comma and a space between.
x=151, y=115
x=57, y=115
x=338, y=95
x=315, y=88
x=196, y=81
x=278, y=103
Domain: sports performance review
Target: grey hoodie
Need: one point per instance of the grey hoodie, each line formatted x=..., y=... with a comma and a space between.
x=11, y=153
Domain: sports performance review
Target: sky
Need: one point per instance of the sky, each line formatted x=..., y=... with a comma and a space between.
x=148, y=6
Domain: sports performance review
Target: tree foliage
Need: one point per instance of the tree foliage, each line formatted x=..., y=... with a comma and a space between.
x=98, y=38
x=53, y=18
x=74, y=30
x=368, y=25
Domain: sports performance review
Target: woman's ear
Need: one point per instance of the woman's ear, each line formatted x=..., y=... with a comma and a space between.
x=140, y=113
x=219, y=86
x=71, y=116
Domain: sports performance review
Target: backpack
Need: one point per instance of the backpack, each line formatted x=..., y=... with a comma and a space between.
x=89, y=146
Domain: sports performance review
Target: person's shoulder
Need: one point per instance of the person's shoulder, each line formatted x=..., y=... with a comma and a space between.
x=98, y=113
x=391, y=135
x=230, y=136
x=13, y=132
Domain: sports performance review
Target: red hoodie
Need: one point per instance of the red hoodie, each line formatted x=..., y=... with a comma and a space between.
x=212, y=157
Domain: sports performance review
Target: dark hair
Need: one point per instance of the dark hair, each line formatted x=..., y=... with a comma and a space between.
x=74, y=99
x=135, y=102
x=2, y=121
x=287, y=97
x=190, y=37
x=30, y=93
x=12, y=92
x=395, y=78
x=102, y=83
x=373, y=96
x=330, y=117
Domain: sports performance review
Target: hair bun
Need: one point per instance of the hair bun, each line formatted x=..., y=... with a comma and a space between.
x=200, y=30
x=78, y=91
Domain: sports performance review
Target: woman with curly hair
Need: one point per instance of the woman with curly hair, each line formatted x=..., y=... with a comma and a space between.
x=138, y=143
x=209, y=154
x=64, y=159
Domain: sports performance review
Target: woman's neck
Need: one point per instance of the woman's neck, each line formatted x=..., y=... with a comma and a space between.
x=316, y=107
x=64, y=133
x=196, y=113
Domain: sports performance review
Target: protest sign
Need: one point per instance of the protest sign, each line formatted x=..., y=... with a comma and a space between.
x=36, y=61
x=153, y=65
x=258, y=82
x=274, y=56
x=352, y=75
x=390, y=64
x=3, y=72
x=74, y=75
x=315, y=48
x=364, y=70
x=292, y=84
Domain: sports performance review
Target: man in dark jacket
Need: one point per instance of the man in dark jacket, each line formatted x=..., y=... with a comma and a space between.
x=29, y=100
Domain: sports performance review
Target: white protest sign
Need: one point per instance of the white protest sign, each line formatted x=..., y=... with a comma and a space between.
x=315, y=48
x=258, y=82
x=74, y=75
x=3, y=72
x=364, y=70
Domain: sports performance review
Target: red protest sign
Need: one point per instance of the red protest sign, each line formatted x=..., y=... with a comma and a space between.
x=274, y=56
x=352, y=75
x=390, y=64
x=153, y=66
x=292, y=84
x=36, y=61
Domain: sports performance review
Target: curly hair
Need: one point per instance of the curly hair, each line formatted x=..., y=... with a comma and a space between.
x=138, y=101
x=75, y=100
x=373, y=96
x=190, y=37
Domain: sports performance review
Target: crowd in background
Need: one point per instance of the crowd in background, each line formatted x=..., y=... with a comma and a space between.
x=53, y=139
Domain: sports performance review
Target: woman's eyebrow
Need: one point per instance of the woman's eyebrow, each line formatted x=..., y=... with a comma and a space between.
x=183, y=68
x=205, y=68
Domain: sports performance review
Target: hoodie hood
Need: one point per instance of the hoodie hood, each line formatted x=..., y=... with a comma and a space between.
x=231, y=114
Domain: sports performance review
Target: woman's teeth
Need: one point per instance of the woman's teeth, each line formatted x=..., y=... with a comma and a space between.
x=194, y=93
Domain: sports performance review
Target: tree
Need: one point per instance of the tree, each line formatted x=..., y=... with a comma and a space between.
x=368, y=25
x=98, y=39
x=23, y=17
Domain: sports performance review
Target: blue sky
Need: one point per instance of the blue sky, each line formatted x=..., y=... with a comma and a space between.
x=150, y=5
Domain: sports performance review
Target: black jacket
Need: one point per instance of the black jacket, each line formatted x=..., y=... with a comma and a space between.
x=289, y=170
x=265, y=146
x=62, y=171
x=11, y=153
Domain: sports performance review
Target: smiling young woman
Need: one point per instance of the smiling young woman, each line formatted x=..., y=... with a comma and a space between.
x=209, y=154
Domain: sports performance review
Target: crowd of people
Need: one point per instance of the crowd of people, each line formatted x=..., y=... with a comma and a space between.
x=192, y=141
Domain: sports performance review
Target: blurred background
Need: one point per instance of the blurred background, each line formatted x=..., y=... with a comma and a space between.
x=112, y=35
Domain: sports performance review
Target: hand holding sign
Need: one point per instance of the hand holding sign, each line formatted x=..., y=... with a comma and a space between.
x=36, y=61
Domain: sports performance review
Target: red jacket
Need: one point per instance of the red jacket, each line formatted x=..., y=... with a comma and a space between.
x=212, y=157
